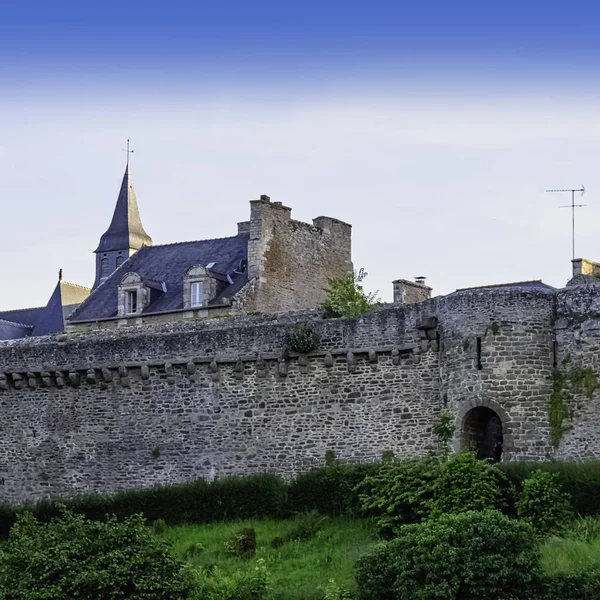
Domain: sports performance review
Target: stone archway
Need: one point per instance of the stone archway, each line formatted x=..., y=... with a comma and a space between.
x=480, y=431
x=481, y=424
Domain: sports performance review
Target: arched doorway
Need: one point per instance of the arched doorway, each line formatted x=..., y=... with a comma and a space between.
x=481, y=429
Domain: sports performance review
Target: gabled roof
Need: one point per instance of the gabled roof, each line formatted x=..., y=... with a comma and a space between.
x=65, y=298
x=126, y=230
x=168, y=264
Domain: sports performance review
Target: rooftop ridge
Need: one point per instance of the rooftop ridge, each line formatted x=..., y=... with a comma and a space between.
x=229, y=237
x=497, y=285
x=21, y=309
x=83, y=287
x=16, y=323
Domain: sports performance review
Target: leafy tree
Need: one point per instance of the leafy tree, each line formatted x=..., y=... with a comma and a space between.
x=71, y=557
x=346, y=296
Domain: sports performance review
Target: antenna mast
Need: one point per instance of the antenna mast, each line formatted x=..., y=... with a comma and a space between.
x=572, y=206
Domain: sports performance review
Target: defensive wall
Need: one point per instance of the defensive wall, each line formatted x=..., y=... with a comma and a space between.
x=155, y=404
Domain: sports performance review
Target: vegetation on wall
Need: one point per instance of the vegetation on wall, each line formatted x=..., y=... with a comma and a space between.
x=444, y=429
x=346, y=296
x=302, y=339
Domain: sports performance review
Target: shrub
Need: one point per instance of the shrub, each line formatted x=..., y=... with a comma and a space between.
x=573, y=586
x=399, y=492
x=346, y=296
x=543, y=503
x=584, y=529
x=329, y=490
x=581, y=479
x=242, y=544
x=303, y=339
x=72, y=557
x=241, y=585
x=306, y=526
x=465, y=483
x=474, y=555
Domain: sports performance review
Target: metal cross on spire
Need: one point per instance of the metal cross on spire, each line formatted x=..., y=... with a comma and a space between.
x=128, y=151
x=572, y=206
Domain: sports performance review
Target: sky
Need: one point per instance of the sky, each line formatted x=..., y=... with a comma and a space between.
x=434, y=128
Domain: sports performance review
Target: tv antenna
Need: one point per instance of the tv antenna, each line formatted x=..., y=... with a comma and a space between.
x=572, y=206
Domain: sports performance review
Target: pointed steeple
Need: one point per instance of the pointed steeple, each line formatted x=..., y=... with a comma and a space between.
x=126, y=232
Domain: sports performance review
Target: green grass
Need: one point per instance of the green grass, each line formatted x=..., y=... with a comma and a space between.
x=298, y=570
x=578, y=550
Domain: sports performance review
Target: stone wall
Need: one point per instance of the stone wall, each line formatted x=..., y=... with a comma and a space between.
x=163, y=403
x=497, y=353
x=289, y=261
x=578, y=370
x=171, y=403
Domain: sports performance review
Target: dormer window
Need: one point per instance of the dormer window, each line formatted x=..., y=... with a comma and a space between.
x=196, y=293
x=130, y=302
x=199, y=287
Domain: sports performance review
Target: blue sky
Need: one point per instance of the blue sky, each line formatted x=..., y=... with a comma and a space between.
x=432, y=127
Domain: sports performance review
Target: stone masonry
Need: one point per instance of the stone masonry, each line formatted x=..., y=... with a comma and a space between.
x=157, y=404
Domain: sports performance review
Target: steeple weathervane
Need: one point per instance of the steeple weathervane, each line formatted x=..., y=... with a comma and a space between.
x=128, y=151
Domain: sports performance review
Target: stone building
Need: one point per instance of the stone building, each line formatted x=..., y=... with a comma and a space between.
x=272, y=263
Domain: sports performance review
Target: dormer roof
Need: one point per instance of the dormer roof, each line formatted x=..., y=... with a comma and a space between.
x=126, y=230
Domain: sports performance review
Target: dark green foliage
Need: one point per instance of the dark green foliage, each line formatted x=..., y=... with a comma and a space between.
x=574, y=586
x=303, y=339
x=543, y=503
x=197, y=502
x=399, y=492
x=159, y=526
x=330, y=490
x=90, y=560
x=473, y=555
x=443, y=429
x=465, y=483
x=242, y=544
x=346, y=296
x=582, y=480
x=559, y=408
x=412, y=490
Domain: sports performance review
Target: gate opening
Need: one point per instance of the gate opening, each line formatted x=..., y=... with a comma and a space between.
x=482, y=431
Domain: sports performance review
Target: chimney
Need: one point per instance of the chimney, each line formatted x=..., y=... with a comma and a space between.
x=411, y=292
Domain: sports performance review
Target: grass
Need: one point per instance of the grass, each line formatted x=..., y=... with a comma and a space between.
x=578, y=550
x=298, y=570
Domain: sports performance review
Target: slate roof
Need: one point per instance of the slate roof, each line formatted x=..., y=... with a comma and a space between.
x=169, y=263
x=43, y=320
x=125, y=230
x=13, y=331
x=64, y=300
x=534, y=285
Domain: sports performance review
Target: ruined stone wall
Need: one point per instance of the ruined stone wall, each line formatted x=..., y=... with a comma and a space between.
x=576, y=395
x=289, y=261
x=497, y=352
x=159, y=404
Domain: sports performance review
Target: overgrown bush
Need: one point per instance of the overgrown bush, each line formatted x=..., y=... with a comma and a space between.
x=72, y=557
x=473, y=555
x=582, y=480
x=306, y=526
x=583, y=529
x=574, y=586
x=242, y=544
x=399, y=493
x=346, y=296
x=465, y=483
x=302, y=339
x=543, y=502
x=212, y=584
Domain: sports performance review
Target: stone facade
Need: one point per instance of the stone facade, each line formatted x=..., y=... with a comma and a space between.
x=165, y=403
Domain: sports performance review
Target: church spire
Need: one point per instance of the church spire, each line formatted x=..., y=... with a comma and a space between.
x=125, y=234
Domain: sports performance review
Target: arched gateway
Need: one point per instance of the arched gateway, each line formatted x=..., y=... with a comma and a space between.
x=481, y=425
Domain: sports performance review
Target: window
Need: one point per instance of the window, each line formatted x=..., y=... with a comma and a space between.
x=104, y=267
x=130, y=302
x=120, y=260
x=197, y=293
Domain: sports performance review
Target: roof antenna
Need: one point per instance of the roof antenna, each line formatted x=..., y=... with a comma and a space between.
x=128, y=151
x=572, y=206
